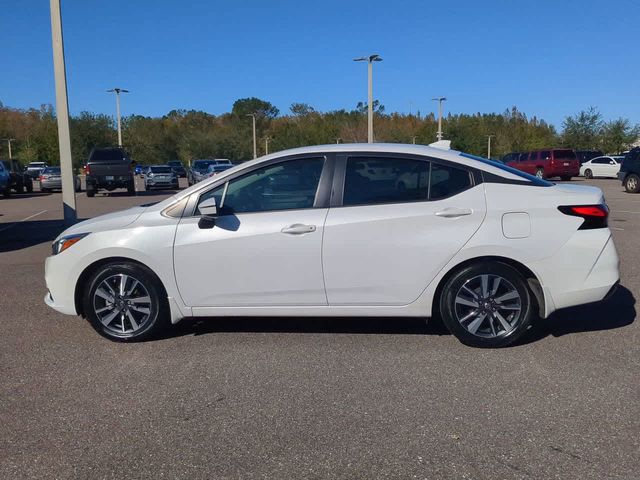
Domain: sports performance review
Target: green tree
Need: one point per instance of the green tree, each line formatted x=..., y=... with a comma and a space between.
x=582, y=131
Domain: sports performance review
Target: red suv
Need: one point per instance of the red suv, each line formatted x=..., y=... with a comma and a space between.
x=560, y=162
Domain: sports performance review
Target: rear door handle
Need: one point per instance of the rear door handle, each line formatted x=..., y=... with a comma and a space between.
x=454, y=212
x=298, y=229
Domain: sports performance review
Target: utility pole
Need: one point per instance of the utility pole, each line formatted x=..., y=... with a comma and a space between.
x=413, y=139
x=255, y=146
x=266, y=145
x=337, y=139
x=118, y=91
x=439, y=100
x=370, y=59
x=9, y=140
x=62, y=114
x=489, y=145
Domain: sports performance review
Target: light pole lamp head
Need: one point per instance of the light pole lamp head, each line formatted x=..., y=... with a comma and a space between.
x=370, y=58
x=439, y=99
x=118, y=90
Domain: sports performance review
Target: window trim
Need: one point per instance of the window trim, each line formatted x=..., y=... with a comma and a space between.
x=339, y=178
x=323, y=191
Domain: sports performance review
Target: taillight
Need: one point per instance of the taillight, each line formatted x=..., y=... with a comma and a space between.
x=595, y=216
x=87, y=170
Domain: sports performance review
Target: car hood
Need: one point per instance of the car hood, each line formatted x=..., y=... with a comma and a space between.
x=110, y=221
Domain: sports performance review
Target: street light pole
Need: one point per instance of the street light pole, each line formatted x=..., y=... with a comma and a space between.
x=62, y=114
x=255, y=146
x=118, y=91
x=266, y=145
x=370, y=59
x=489, y=146
x=413, y=139
x=9, y=140
x=439, y=100
x=337, y=139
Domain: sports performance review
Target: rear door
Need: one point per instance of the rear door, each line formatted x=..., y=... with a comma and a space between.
x=387, y=236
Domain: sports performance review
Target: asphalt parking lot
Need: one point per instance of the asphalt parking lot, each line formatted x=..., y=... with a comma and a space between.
x=311, y=398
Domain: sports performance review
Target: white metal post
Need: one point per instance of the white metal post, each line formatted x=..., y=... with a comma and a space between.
x=255, y=146
x=370, y=112
x=439, y=100
x=118, y=116
x=489, y=146
x=62, y=114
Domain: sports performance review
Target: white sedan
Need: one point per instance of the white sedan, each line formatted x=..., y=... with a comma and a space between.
x=601, y=167
x=310, y=232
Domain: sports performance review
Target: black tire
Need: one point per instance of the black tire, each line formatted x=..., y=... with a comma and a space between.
x=91, y=191
x=632, y=183
x=588, y=173
x=7, y=192
x=540, y=173
x=29, y=186
x=565, y=178
x=20, y=188
x=148, y=286
x=490, y=332
x=44, y=190
x=131, y=189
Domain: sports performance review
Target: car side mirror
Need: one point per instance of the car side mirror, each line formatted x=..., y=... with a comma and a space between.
x=209, y=212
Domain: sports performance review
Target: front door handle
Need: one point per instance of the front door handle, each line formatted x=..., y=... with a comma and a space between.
x=298, y=229
x=454, y=212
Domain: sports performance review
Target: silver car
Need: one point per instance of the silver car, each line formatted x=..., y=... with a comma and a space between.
x=160, y=176
x=50, y=179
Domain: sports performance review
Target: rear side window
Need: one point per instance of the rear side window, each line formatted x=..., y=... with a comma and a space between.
x=545, y=155
x=375, y=180
x=531, y=179
x=564, y=154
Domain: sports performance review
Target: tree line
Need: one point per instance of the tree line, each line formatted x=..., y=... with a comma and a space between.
x=190, y=134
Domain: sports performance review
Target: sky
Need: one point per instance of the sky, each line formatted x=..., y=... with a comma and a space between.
x=550, y=58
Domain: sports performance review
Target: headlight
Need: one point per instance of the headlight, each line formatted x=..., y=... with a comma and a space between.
x=63, y=243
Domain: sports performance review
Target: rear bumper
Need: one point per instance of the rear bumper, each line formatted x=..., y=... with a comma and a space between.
x=589, y=282
x=118, y=181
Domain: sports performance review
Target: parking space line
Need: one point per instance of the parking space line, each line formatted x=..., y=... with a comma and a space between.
x=616, y=228
x=23, y=220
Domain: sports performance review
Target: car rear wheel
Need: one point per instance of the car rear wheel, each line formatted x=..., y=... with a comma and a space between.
x=487, y=305
x=588, y=173
x=632, y=183
x=540, y=173
x=131, y=189
x=126, y=302
x=565, y=178
x=91, y=190
x=29, y=186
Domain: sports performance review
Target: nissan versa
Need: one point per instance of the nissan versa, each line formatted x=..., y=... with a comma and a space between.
x=344, y=230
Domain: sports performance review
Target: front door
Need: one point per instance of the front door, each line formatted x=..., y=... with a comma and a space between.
x=392, y=236
x=265, y=247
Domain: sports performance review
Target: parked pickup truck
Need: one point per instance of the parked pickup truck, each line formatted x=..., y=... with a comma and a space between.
x=108, y=169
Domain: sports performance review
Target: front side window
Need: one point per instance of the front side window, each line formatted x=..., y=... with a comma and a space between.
x=545, y=155
x=286, y=185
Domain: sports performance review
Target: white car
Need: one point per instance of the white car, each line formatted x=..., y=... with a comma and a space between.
x=306, y=232
x=601, y=167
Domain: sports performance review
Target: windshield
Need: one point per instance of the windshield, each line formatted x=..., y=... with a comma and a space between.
x=54, y=170
x=202, y=165
x=218, y=168
x=174, y=163
x=37, y=164
x=160, y=169
x=105, y=154
x=566, y=154
x=525, y=176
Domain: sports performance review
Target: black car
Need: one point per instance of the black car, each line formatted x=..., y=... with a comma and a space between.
x=109, y=168
x=176, y=166
x=19, y=179
x=586, y=155
x=630, y=171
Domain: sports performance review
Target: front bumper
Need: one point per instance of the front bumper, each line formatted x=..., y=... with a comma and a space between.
x=60, y=281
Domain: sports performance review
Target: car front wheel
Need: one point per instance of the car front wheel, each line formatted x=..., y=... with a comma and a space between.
x=588, y=173
x=125, y=302
x=632, y=183
x=487, y=305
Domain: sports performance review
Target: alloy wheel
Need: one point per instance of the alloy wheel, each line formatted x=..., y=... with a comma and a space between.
x=122, y=304
x=488, y=306
x=632, y=183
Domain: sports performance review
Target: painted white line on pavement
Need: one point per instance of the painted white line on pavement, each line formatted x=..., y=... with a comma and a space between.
x=23, y=220
x=616, y=228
